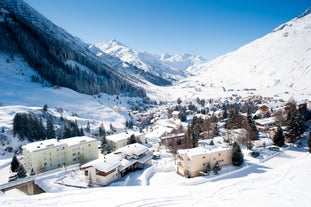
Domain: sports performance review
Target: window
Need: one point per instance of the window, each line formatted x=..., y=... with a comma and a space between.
x=45, y=164
x=203, y=157
x=74, y=154
x=203, y=164
x=219, y=154
x=74, y=159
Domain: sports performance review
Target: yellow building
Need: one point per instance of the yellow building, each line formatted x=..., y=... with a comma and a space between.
x=193, y=162
x=50, y=154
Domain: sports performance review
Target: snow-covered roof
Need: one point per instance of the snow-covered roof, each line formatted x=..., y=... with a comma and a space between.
x=77, y=140
x=132, y=149
x=40, y=145
x=265, y=121
x=122, y=136
x=201, y=150
x=44, y=144
x=105, y=164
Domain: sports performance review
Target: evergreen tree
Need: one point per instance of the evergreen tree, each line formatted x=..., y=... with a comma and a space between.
x=101, y=130
x=14, y=163
x=21, y=172
x=296, y=126
x=27, y=125
x=88, y=128
x=216, y=168
x=179, y=101
x=107, y=146
x=279, y=138
x=45, y=107
x=252, y=128
x=50, y=131
x=81, y=131
x=237, y=155
x=132, y=139
x=70, y=129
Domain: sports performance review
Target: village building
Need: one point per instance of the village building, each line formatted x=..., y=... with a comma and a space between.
x=111, y=167
x=121, y=139
x=265, y=125
x=175, y=114
x=172, y=141
x=50, y=154
x=193, y=162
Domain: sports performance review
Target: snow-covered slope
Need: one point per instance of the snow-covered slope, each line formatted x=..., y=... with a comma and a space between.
x=262, y=184
x=48, y=49
x=172, y=67
x=279, y=61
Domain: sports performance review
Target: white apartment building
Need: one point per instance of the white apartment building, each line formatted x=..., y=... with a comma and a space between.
x=191, y=162
x=50, y=154
x=121, y=139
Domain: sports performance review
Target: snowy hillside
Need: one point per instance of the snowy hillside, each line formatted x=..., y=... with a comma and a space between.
x=278, y=61
x=48, y=49
x=172, y=67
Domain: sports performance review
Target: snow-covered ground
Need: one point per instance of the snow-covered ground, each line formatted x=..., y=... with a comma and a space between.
x=279, y=181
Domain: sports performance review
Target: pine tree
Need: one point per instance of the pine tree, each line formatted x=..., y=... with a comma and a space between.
x=81, y=132
x=14, y=163
x=21, y=172
x=279, y=138
x=45, y=107
x=101, y=130
x=237, y=155
x=132, y=139
x=216, y=168
x=253, y=131
x=88, y=128
x=295, y=126
x=50, y=131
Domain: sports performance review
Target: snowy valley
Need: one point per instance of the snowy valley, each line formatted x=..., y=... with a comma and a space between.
x=124, y=91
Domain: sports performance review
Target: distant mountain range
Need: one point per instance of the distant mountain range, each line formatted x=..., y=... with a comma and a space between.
x=170, y=67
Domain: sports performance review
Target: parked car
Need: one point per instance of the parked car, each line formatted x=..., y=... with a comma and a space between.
x=254, y=154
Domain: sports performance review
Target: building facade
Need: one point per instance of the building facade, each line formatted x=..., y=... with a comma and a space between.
x=50, y=154
x=111, y=167
x=121, y=139
x=193, y=162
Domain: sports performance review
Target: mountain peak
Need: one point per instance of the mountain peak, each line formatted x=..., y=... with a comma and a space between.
x=115, y=42
x=305, y=13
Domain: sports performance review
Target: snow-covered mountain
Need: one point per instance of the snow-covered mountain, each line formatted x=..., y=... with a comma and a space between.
x=57, y=56
x=278, y=61
x=171, y=67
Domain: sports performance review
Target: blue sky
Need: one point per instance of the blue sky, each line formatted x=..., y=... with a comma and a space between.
x=208, y=28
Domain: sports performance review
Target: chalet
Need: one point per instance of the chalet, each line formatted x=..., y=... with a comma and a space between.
x=111, y=167
x=193, y=162
x=264, y=125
